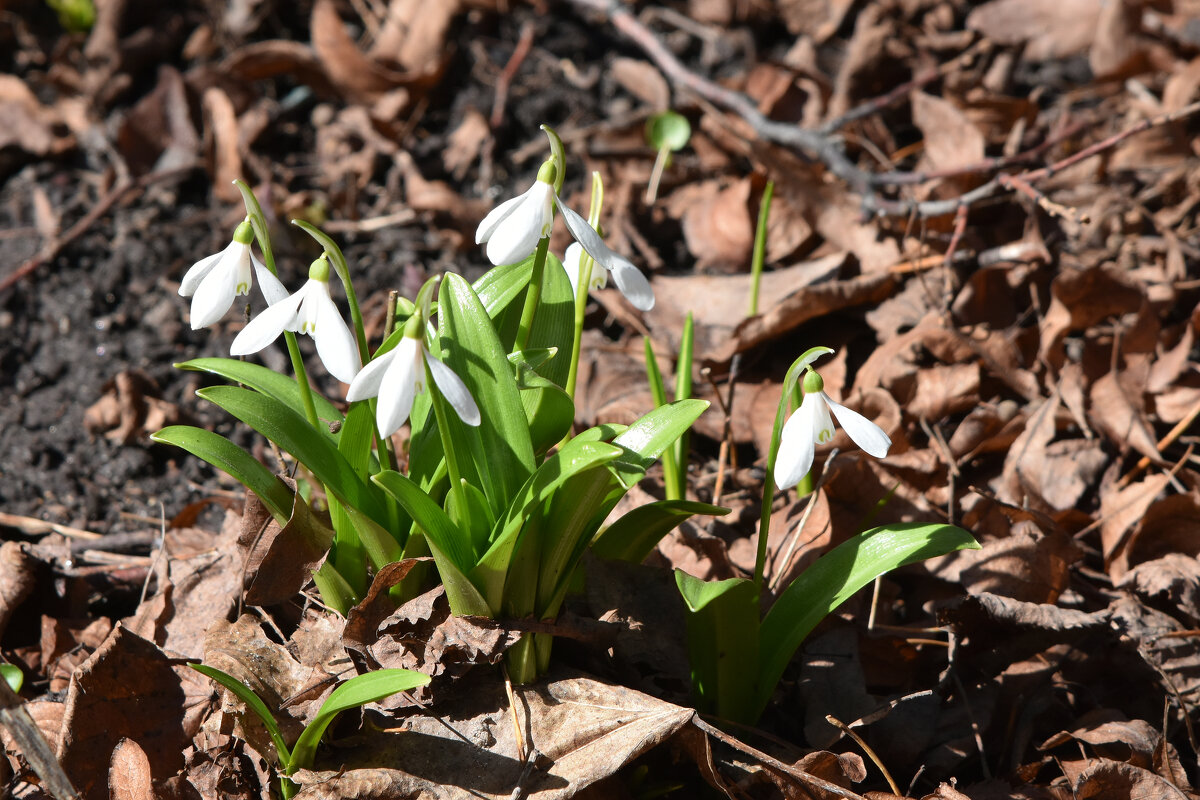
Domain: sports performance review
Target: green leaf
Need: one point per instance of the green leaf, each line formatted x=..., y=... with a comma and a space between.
x=235, y=462
x=267, y=381
x=13, y=676
x=294, y=435
x=499, y=449
x=437, y=525
x=492, y=570
x=646, y=439
x=548, y=409
x=723, y=643
x=252, y=701
x=358, y=691
x=835, y=577
x=669, y=130
x=634, y=536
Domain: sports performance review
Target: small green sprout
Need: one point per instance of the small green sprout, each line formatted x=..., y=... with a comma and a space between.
x=666, y=132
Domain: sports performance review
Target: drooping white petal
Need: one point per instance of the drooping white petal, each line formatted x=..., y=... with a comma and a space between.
x=518, y=233
x=335, y=343
x=266, y=327
x=270, y=286
x=496, y=216
x=866, y=434
x=215, y=294
x=366, y=382
x=454, y=390
x=305, y=320
x=197, y=272
x=797, y=443
x=399, y=386
x=638, y=292
x=632, y=283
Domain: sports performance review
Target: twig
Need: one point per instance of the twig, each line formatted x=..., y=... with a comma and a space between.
x=844, y=728
x=524, y=44
x=32, y=526
x=827, y=150
x=1166, y=441
x=794, y=539
x=33, y=745
x=1016, y=183
x=774, y=764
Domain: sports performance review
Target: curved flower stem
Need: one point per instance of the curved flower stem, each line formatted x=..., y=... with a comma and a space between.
x=533, y=295
x=448, y=451
x=258, y=221
x=586, y=263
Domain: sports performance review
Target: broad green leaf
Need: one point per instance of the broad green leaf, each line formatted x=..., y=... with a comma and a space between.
x=354, y=443
x=835, y=577
x=723, y=643
x=381, y=546
x=635, y=535
x=294, y=435
x=491, y=571
x=358, y=691
x=499, y=450
x=499, y=286
x=477, y=520
x=646, y=439
x=267, y=381
x=235, y=462
x=252, y=701
x=439, y=529
x=548, y=409
x=13, y=676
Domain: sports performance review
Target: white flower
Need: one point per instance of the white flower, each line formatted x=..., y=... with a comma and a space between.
x=310, y=310
x=811, y=425
x=574, y=270
x=214, y=281
x=513, y=228
x=629, y=279
x=396, y=377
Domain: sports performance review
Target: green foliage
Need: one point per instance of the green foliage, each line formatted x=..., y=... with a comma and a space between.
x=356, y=692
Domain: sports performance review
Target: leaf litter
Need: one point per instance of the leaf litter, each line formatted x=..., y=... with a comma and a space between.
x=999, y=240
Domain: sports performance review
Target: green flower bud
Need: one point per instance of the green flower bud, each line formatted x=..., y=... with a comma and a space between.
x=813, y=383
x=319, y=270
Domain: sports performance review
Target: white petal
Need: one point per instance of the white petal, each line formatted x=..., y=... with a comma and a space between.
x=454, y=390
x=197, y=272
x=335, y=343
x=629, y=279
x=632, y=283
x=215, y=294
x=866, y=434
x=399, y=386
x=570, y=263
x=366, y=382
x=270, y=286
x=797, y=445
x=266, y=327
x=494, y=217
x=517, y=235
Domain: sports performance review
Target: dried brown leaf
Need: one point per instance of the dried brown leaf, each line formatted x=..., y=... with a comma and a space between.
x=466, y=143
x=358, y=77
x=586, y=731
x=716, y=223
x=18, y=578
x=1052, y=30
x=414, y=35
x=129, y=773
x=1028, y=565
x=951, y=140
x=1174, y=578
x=1119, y=414
x=1171, y=525
x=643, y=81
x=105, y=705
x=226, y=164
x=279, y=561
x=1101, y=779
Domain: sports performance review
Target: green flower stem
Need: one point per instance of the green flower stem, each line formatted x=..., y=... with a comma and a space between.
x=448, y=451
x=586, y=263
x=533, y=295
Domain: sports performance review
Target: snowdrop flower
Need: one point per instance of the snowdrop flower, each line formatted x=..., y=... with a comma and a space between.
x=574, y=270
x=397, y=375
x=513, y=229
x=214, y=281
x=811, y=425
x=310, y=310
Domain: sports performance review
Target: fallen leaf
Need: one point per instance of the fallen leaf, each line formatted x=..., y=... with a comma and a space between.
x=129, y=773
